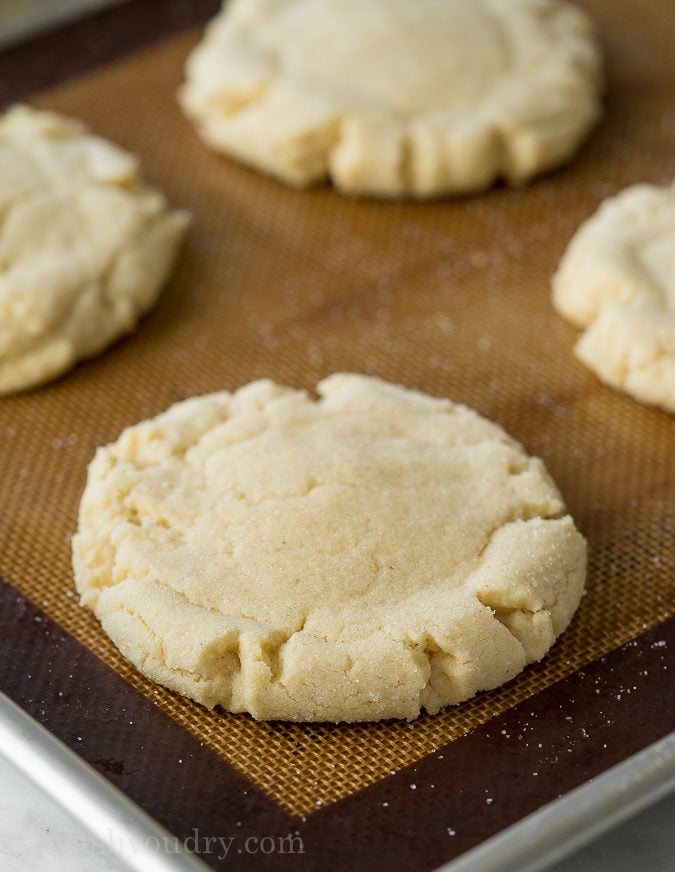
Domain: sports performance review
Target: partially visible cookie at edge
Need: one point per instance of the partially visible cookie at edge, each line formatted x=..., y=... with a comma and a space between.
x=397, y=98
x=85, y=245
x=361, y=556
x=617, y=280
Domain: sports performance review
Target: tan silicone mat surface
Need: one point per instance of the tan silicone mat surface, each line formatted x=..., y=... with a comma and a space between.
x=450, y=297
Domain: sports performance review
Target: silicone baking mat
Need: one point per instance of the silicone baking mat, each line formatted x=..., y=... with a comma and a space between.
x=450, y=297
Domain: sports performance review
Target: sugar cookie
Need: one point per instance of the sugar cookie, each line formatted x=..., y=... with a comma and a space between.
x=352, y=558
x=396, y=97
x=617, y=279
x=85, y=245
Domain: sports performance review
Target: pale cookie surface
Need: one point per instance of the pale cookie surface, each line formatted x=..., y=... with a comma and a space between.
x=617, y=279
x=396, y=97
x=355, y=557
x=85, y=246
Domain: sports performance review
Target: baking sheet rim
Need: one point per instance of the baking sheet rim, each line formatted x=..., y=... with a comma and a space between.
x=88, y=797
x=561, y=827
x=543, y=837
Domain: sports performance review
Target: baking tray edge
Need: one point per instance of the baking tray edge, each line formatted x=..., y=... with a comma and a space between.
x=567, y=824
x=88, y=797
x=538, y=840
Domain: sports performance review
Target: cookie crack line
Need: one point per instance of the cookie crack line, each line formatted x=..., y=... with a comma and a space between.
x=529, y=513
x=164, y=659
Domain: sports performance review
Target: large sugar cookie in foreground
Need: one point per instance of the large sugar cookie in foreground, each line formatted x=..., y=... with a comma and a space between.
x=617, y=279
x=85, y=245
x=396, y=97
x=353, y=558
